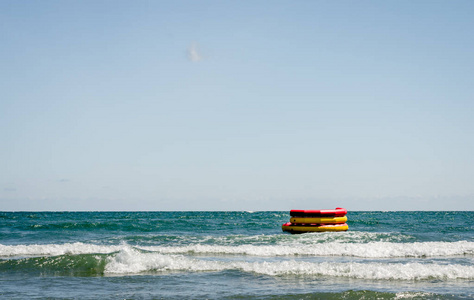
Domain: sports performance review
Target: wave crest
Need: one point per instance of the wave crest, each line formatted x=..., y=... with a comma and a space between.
x=130, y=261
x=364, y=250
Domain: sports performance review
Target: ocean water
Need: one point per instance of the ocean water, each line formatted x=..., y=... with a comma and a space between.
x=234, y=255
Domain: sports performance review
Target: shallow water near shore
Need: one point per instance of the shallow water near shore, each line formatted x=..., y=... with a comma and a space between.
x=234, y=255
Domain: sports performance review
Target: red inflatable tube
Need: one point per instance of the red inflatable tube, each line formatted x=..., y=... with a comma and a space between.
x=338, y=212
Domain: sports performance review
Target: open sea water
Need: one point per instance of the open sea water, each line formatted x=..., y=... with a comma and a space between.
x=234, y=255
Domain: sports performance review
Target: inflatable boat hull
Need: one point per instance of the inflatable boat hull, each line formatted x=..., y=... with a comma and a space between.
x=338, y=212
x=324, y=220
x=302, y=228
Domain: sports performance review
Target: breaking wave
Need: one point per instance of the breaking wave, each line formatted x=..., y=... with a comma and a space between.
x=133, y=261
x=364, y=250
x=129, y=261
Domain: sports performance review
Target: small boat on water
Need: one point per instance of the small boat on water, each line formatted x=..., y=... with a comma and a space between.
x=302, y=221
x=338, y=212
x=323, y=220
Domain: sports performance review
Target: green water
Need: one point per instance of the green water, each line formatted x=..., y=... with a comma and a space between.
x=235, y=255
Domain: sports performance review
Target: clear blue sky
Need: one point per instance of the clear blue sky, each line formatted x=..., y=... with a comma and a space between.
x=236, y=105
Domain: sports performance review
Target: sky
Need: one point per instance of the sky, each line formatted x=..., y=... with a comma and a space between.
x=236, y=105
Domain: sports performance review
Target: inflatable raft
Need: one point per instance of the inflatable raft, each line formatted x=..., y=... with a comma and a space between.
x=301, y=228
x=316, y=220
x=338, y=212
x=324, y=220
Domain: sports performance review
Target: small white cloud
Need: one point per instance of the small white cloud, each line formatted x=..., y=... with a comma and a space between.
x=193, y=53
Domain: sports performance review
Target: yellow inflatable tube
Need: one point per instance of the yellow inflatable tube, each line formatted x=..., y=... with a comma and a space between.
x=323, y=220
x=292, y=228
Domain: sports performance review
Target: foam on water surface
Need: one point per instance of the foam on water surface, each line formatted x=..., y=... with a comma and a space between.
x=367, y=250
x=384, y=255
x=125, y=259
x=55, y=249
x=130, y=261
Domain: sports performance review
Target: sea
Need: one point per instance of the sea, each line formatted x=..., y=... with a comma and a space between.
x=235, y=255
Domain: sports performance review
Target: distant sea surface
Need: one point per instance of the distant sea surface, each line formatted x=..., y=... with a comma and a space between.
x=234, y=255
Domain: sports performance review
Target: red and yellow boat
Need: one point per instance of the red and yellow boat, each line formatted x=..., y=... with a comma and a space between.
x=316, y=220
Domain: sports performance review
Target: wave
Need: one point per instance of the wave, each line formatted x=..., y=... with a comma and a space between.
x=369, y=250
x=56, y=249
x=268, y=239
x=129, y=261
x=364, y=250
x=62, y=265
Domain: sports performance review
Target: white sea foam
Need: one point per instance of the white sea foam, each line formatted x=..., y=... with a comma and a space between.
x=56, y=249
x=312, y=238
x=368, y=250
x=125, y=259
x=130, y=261
x=364, y=250
x=352, y=237
x=411, y=295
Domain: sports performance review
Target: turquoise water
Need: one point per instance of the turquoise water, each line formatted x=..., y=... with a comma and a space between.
x=234, y=255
